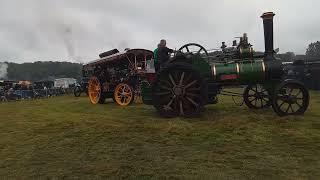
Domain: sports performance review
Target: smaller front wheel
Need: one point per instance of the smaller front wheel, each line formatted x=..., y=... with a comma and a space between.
x=256, y=97
x=291, y=98
x=95, y=91
x=123, y=94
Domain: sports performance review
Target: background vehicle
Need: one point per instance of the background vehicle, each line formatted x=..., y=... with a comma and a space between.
x=116, y=75
x=307, y=72
x=81, y=87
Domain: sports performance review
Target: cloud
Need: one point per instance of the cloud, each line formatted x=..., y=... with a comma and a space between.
x=78, y=30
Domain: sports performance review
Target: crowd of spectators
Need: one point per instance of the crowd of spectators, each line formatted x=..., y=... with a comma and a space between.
x=15, y=91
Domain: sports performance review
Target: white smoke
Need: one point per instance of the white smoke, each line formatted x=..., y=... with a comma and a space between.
x=3, y=70
x=67, y=37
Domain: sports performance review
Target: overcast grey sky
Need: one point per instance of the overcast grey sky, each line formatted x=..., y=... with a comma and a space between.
x=64, y=30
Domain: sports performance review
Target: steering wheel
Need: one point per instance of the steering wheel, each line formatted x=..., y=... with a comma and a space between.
x=190, y=49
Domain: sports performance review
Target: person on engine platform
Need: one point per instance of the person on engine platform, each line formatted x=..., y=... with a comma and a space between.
x=155, y=57
x=163, y=53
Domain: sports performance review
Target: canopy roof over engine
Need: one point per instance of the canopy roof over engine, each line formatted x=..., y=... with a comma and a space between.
x=120, y=56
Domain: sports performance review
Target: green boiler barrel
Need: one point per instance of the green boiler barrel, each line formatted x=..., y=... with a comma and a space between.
x=244, y=72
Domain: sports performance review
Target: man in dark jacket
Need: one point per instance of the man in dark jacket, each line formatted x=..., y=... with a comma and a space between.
x=155, y=57
x=163, y=53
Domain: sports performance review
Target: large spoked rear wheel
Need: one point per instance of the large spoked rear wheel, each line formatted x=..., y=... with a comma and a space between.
x=194, y=49
x=256, y=97
x=179, y=91
x=123, y=94
x=95, y=91
x=291, y=98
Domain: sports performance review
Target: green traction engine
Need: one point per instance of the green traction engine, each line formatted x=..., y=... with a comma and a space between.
x=193, y=78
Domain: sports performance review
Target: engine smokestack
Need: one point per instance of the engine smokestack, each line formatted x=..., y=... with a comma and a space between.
x=268, y=32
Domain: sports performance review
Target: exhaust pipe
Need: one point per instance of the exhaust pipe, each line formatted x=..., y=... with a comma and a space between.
x=268, y=32
x=273, y=67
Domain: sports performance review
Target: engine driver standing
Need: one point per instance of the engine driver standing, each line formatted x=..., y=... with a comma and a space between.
x=163, y=53
x=155, y=57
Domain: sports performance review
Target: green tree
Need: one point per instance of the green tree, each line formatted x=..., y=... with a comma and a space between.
x=313, y=50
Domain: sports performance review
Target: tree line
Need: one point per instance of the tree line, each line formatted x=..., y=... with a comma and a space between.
x=312, y=54
x=43, y=70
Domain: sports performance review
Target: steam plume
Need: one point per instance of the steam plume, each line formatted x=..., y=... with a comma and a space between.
x=67, y=38
x=3, y=70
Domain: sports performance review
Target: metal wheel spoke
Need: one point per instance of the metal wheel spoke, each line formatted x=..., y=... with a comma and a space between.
x=254, y=92
x=181, y=108
x=170, y=102
x=187, y=49
x=192, y=101
x=171, y=79
x=300, y=106
x=290, y=92
x=292, y=108
x=288, y=108
x=167, y=107
x=188, y=78
x=125, y=89
x=181, y=79
x=190, y=84
x=253, y=100
x=298, y=93
x=281, y=104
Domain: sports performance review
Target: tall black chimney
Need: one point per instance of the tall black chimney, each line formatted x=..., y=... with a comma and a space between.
x=268, y=32
x=273, y=67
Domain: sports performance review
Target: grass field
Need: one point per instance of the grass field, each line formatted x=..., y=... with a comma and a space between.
x=67, y=137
